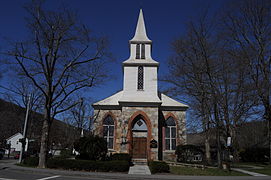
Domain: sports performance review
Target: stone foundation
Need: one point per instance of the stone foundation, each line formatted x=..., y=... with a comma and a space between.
x=154, y=119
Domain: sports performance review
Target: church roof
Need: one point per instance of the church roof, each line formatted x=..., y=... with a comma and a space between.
x=140, y=33
x=169, y=102
x=114, y=101
x=111, y=100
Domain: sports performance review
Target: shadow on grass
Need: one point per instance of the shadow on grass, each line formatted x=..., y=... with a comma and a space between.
x=190, y=171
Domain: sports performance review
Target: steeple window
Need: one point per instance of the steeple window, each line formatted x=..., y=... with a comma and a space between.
x=142, y=51
x=137, y=51
x=140, y=78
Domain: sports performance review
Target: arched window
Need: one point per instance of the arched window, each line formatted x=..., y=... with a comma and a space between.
x=170, y=134
x=108, y=131
x=140, y=125
x=140, y=78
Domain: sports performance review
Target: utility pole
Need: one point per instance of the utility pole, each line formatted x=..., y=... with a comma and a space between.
x=23, y=141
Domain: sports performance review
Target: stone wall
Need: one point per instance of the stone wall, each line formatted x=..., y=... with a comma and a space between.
x=179, y=116
x=98, y=126
x=125, y=116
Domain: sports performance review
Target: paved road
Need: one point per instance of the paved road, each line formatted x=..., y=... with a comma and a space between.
x=8, y=171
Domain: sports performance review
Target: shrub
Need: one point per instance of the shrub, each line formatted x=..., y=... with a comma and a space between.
x=119, y=166
x=186, y=153
x=158, y=167
x=91, y=148
x=254, y=155
x=65, y=153
x=86, y=165
x=121, y=157
x=31, y=161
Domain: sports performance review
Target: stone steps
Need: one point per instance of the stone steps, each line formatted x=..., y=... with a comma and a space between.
x=140, y=169
x=138, y=161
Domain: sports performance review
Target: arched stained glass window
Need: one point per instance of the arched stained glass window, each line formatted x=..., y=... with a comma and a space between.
x=140, y=125
x=170, y=134
x=108, y=131
x=140, y=78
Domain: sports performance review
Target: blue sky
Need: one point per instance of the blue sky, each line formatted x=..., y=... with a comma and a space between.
x=116, y=19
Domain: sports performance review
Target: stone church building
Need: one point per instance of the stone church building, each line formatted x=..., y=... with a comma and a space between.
x=139, y=120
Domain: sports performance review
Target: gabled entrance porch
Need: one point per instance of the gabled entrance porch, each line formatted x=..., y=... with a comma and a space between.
x=139, y=136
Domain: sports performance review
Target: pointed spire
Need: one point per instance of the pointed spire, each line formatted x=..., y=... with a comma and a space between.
x=140, y=34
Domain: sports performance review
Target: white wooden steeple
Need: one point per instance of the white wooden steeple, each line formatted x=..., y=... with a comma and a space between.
x=140, y=70
x=140, y=45
x=140, y=77
x=140, y=33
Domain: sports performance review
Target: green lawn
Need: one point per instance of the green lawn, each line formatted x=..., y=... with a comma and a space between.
x=266, y=170
x=253, y=167
x=25, y=165
x=202, y=172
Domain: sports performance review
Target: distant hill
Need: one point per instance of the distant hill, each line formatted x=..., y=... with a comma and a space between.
x=12, y=119
x=249, y=134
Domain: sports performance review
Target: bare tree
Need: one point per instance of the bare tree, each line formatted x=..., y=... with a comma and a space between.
x=79, y=114
x=202, y=68
x=192, y=69
x=248, y=27
x=20, y=91
x=60, y=57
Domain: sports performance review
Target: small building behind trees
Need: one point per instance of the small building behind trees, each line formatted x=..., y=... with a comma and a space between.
x=12, y=123
x=15, y=144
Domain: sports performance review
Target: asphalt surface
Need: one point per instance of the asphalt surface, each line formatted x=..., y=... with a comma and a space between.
x=9, y=171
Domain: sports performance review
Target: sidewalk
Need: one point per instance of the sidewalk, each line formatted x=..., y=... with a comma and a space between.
x=140, y=169
x=248, y=172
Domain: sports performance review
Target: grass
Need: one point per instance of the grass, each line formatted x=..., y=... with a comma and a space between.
x=263, y=168
x=24, y=165
x=190, y=171
x=266, y=170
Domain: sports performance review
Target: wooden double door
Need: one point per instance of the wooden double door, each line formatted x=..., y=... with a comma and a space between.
x=139, y=147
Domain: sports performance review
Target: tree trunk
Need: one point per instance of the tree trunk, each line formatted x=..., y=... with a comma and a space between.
x=44, y=141
x=207, y=150
x=219, y=159
x=269, y=139
x=268, y=118
x=234, y=144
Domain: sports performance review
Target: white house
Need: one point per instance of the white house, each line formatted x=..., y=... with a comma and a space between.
x=15, y=145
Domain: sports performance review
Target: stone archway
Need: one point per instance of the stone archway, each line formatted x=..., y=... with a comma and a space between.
x=139, y=135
